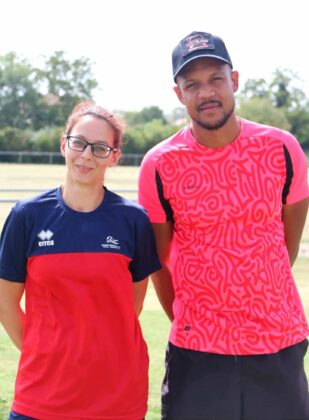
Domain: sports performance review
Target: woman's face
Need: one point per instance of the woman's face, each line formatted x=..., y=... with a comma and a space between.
x=82, y=166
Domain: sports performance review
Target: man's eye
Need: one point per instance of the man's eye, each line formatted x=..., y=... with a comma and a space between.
x=190, y=86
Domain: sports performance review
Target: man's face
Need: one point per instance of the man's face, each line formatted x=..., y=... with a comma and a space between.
x=206, y=87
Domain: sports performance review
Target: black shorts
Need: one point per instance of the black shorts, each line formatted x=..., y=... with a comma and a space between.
x=206, y=386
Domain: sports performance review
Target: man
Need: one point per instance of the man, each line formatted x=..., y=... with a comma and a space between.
x=228, y=200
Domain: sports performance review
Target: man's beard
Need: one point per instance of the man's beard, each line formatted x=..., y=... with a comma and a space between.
x=218, y=124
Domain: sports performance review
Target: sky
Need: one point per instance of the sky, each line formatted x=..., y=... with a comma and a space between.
x=130, y=42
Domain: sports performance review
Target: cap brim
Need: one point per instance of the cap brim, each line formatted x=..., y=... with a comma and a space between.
x=201, y=56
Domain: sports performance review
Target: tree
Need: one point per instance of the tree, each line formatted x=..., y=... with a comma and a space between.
x=284, y=90
x=63, y=83
x=262, y=111
x=142, y=137
x=178, y=116
x=34, y=97
x=47, y=139
x=299, y=120
x=147, y=114
x=19, y=95
x=281, y=102
x=145, y=128
x=14, y=139
x=255, y=88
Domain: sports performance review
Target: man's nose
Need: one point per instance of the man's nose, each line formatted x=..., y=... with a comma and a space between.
x=206, y=91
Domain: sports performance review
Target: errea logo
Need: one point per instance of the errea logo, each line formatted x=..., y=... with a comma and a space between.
x=111, y=243
x=45, y=236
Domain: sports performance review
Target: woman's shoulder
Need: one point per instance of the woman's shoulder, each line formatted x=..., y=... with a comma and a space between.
x=36, y=202
x=125, y=204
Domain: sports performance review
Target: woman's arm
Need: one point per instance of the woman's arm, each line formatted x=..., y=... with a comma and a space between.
x=11, y=314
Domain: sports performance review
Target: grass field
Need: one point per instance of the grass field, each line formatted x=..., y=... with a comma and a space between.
x=154, y=323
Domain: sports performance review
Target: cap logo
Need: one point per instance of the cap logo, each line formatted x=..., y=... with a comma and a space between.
x=195, y=42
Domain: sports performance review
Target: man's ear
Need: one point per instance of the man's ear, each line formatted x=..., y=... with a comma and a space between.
x=177, y=90
x=235, y=78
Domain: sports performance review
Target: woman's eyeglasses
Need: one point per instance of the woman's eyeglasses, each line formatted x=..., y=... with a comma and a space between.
x=99, y=150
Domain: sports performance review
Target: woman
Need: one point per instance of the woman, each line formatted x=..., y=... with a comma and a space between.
x=83, y=256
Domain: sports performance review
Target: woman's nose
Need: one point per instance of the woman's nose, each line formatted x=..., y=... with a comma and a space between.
x=87, y=152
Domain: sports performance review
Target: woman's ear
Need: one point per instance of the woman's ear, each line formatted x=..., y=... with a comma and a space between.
x=115, y=158
x=63, y=140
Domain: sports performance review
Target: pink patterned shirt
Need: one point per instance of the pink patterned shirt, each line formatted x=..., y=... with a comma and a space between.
x=235, y=293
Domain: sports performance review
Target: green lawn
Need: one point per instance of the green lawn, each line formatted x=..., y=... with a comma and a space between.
x=154, y=323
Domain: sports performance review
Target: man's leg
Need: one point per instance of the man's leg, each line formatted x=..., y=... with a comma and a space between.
x=275, y=386
x=200, y=386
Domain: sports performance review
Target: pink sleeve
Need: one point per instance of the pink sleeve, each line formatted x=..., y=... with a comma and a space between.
x=299, y=189
x=148, y=195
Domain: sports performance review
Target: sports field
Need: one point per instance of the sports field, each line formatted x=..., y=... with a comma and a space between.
x=154, y=323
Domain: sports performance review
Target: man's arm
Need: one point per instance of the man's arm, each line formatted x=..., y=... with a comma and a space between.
x=294, y=218
x=139, y=290
x=11, y=314
x=162, y=279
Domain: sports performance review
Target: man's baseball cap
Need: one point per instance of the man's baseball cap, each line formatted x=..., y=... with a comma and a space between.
x=198, y=45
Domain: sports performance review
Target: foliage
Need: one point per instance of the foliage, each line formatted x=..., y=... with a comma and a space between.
x=35, y=102
x=47, y=139
x=178, y=116
x=14, y=139
x=32, y=97
x=64, y=83
x=145, y=129
x=19, y=95
x=281, y=103
x=299, y=120
x=262, y=111
x=147, y=114
x=285, y=93
x=142, y=137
